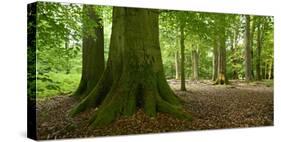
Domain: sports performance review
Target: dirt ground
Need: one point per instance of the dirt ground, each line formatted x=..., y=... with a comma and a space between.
x=239, y=104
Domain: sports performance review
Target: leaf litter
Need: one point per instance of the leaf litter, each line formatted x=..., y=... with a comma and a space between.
x=236, y=105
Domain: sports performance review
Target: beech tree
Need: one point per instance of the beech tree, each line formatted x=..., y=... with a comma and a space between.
x=248, y=57
x=92, y=51
x=134, y=75
x=221, y=51
x=195, y=64
x=182, y=47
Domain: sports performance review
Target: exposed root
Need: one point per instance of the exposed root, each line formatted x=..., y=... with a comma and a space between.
x=123, y=98
x=175, y=111
x=166, y=92
x=95, y=97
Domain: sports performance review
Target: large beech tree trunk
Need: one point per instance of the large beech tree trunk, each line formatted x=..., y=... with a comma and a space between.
x=134, y=76
x=247, y=44
x=92, y=52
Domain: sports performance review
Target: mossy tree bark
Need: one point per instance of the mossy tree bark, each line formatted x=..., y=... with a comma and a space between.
x=247, y=44
x=134, y=76
x=92, y=51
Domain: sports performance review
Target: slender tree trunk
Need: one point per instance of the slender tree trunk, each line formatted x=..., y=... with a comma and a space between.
x=258, y=52
x=233, y=50
x=252, y=33
x=92, y=52
x=182, y=57
x=247, y=44
x=194, y=56
x=270, y=70
x=263, y=70
x=134, y=76
x=215, y=60
x=177, y=65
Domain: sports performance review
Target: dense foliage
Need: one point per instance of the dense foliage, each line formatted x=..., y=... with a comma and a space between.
x=59, y=41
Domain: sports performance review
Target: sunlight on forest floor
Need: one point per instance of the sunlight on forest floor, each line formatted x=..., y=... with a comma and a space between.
x=239, y=104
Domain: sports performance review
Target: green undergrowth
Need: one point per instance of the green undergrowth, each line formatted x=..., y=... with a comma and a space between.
x=57, y=84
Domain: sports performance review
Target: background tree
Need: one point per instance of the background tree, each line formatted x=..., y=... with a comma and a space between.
x=195, y=63
x=248, y=57
x=221, y=47
x=93, y=50
x=182, y=47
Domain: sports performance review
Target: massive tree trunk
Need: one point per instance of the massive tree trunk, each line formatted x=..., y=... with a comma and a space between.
x=258, y=51
x=92, y=52
x=134, y=76
x=194, y=56
x=177, y=65
x=182, y=57
x=247, y=44
x=215, y=60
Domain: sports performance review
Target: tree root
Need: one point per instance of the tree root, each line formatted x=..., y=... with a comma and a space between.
x=154, y=94
x=95, y=97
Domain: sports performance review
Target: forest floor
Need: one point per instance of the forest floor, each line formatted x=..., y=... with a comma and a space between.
x=239, y=104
